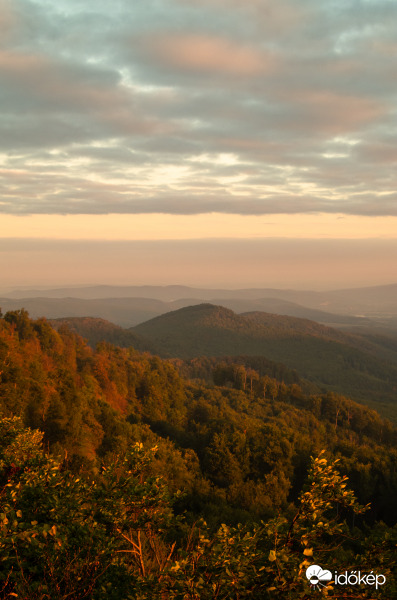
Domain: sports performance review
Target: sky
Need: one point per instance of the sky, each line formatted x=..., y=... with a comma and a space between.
x=200, y=142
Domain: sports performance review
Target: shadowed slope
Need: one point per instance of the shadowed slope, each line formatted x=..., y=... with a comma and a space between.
x=329, y=357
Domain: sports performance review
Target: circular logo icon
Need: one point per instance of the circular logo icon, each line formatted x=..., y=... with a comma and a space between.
x=318, y=577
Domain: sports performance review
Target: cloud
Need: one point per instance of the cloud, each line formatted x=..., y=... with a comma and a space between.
x=331, y=114
x=7, y=21
x=207, y=54
x=39, y=84
x=137, y=111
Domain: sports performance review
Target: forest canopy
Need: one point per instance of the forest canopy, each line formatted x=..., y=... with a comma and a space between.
x=111, y=449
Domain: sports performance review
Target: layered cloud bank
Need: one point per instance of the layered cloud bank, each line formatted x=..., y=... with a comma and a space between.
x=186, y=107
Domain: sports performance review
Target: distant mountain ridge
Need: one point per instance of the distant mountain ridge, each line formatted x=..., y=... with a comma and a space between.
x=131, y=305
x=173, y=292
x=165, y=293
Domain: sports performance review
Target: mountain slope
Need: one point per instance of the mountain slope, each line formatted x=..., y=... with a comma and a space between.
x=123, y=311
x=328, y=357
x=372, y=307
x=96, y=330
x=130, y=311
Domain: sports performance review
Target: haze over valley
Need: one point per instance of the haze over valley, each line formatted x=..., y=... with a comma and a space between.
x=130, y=305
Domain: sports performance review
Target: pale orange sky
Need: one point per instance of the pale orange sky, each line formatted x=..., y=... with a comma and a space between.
x=231, y=263
x=180, y=227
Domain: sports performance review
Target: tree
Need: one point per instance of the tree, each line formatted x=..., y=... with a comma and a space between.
x=65, y=536
x=20, y=319
x=112, y=535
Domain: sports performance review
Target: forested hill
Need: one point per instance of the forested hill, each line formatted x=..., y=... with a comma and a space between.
x=95, y=330
x=364, y=368
x=253, y=324
x=238, y=444
x=129, y=312
x=346, y=363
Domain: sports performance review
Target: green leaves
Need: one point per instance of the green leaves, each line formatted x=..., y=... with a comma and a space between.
x=64, y=535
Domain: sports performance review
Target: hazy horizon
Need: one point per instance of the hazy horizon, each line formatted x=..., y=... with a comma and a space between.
x=234, y=264
x=72, y=286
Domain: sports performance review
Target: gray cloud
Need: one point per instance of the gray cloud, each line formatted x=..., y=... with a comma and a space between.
x=186, y=107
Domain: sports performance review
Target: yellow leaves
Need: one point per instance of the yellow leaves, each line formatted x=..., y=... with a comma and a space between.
x=304, y=565
x=272, y=556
